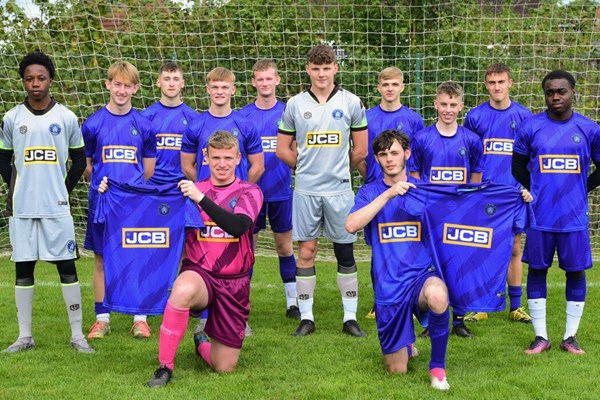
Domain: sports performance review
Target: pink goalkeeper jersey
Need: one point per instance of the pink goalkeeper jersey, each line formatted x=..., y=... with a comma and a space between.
x=211, y=247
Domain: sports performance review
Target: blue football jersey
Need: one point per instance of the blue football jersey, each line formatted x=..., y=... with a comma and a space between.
x=198, y=132
x=170, y=124
x=497, y=129
x=470, y=232
x=144, y=236
x=404, y=119
x=445, y=160
x=276, y=182
x=400, y=256
x=559, y=161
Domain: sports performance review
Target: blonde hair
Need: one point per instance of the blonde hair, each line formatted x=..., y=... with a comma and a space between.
x=264, y=65
x=220, y=74
x=125, y=70
x=222, y=140
x=391, y=73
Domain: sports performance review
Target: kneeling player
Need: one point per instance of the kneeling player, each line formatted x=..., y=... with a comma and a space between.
x=214, y=274
x=405, y=281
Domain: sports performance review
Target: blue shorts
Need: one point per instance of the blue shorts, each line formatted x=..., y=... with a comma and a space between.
x=573, y=249
x=395, y=325
x=280, y=216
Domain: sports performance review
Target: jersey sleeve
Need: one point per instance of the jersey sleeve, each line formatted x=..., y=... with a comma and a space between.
x=595, y=142
x=415, y=161
x=189, y=142
x=253, y=141
x=287, y=125
x=250, y=202
x=522, y=143
x=89, y=139
x=362, y=199
x=359, y=116
x=74, y=132
x=6, y=129
x=419, y=124
x=149, y=146
x=470, y=123
x=475, y=153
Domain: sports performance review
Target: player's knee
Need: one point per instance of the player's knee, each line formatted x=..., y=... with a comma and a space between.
x=224, y=366
x=575, y=275
x=396, y=367
x=24, y=273
x=344, y=254
x=182, y=294
x=67, y=271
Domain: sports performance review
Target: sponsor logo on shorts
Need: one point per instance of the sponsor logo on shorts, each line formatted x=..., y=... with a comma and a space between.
x=269, y=144
x=55, y=129
x=559, y=164
x=168, y=141
x=399, y=232
x=119, y=154
x=498, y=146
x=142, y=238
x=40, y=155
x=448, y=175
x=324, y=139
x=466, y=235
x=212, y=233
x=71, y=246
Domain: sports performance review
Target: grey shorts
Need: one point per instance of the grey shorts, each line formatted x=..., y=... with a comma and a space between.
x=310, y=212
x=47, y=239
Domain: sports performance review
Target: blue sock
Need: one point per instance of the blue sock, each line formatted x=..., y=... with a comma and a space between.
x=514, y=294
x=204, y=314
x=287, y=268
x=100, y=308
x=438, y=334
x=575, y=289
x=536, y=284
x=251, y=272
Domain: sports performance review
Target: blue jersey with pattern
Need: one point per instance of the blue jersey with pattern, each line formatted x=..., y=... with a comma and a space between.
x=559, y=161
x=400, y=255
x=198, y=132
x=144, y=236
x=497, y=129
x=169, y=124
x=445, y=160
x=470, y=232
x=276, y=182
x=404, y=119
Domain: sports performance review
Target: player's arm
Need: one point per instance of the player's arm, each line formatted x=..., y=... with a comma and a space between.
x=520, y=171
x=593, y=180
x=78, y=166
x=5, y=166
x=362, y=168
x=360, y=218
x=415, y=174
x=257, y=166
x=149, y=164
x=476, y=177
x=360, y=139
x=188, y=165
x=87, y=173
x=286, y=149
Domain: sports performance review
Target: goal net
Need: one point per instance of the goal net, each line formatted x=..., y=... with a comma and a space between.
x=431, y=41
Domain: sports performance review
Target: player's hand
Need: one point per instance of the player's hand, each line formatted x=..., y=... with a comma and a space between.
x=103, y=187
x=526, y=196
x=189, y=190
x=400, y=188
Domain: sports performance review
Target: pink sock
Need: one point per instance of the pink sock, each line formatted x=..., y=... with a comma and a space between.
x=439, y=373
x=204, y=349
x=172, y=330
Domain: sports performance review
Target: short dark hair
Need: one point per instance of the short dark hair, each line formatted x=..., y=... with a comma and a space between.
x=170, y=66
x=559, y=74
x=321, y=54
x=36, y=58
x=498, y=68
x=386, y=139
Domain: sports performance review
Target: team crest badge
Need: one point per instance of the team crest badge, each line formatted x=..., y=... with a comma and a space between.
x=490, y=209
x=337, y=114
x=55, y=129
x=462, y=152
x=513, y=125
x=232, y=203
x=164, y=209
x=451, y=205
x=184, y=121
x=134, y=132
x=23, y=129
x=576, y=138
x=235, y=132
x=400, y=126
x=307, y=115
x=71, y=246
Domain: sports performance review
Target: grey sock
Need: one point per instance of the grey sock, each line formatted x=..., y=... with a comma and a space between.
x=24, y=302
x=72, y=296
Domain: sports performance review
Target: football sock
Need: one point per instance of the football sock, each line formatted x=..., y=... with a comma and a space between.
x=347, y=280
x=537, y=310
x=439, y=373
x=205, y=348
x=175, y=321
x=574, y=313
x=291, y=294
x=24, y=303
x=102, y=312
x=575, y=292
x=438, y=335
x=287, y=270
x=457, y=318
x=306, y=280
x=137, y=318
x=72, y=296
x=514, y=295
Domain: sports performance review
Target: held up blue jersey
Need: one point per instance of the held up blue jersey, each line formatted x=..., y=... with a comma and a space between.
x=144, y=236
x=470, y=232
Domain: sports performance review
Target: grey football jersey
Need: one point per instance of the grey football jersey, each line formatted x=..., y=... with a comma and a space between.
x=40, y=142
x=322, y=133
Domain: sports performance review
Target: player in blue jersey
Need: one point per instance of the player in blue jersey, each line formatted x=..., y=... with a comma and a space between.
x=277, y=184
x=552, y=155
x=42, y=135
x=119, y=144
x=170, y=116
x=405, y=281
x=496, y=122
x=389, y=114
x=220, y=86
x=446, y=153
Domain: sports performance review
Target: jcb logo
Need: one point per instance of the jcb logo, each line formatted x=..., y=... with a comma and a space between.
x=168, y=141
x=448, y=175
x=324, y=139
x=122, y=154
x=560, y=164
x=498, y=146
x=400, y=232
x=40, y=155
x=137, y=238
x=212, y=233
x=465, y=235
x=269, y=144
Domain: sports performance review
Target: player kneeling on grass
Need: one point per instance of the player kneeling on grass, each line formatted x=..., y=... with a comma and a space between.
x=215, y=272
x=405, y=282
